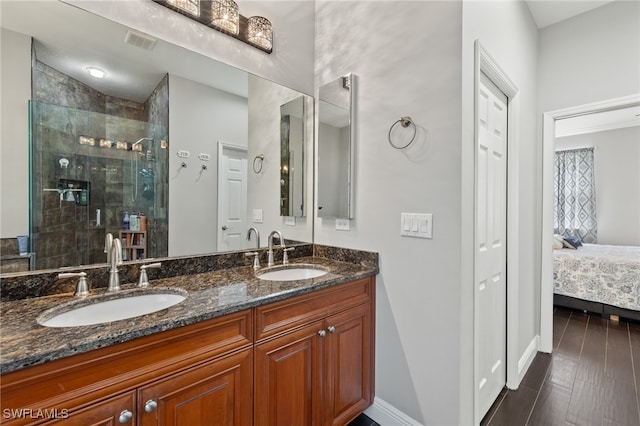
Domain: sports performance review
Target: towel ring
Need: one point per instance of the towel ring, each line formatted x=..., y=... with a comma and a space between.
x=258, y=168
x=404, y=122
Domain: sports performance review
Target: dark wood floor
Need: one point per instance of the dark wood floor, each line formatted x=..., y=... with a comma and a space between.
x=590, y=379
x=363, y=420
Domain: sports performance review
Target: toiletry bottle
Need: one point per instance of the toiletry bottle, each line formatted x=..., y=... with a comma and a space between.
x=143, y=221
x=133, y=221
x=125, y=221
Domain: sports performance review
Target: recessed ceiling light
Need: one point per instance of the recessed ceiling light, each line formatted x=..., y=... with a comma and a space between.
x=96, y=72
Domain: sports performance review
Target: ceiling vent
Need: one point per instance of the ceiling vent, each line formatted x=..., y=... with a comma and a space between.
x=140, y=40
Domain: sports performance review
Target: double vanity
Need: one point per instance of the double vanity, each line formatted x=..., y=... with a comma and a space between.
x=291, y=344
x=212, y=339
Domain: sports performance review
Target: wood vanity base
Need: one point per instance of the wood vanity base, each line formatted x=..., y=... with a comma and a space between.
x=307, y=360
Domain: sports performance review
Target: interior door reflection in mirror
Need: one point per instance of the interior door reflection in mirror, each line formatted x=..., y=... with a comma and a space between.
x=336, y=139
x=143, y=139
x=292, y=158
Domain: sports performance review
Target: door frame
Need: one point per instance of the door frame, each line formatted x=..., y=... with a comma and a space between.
x=221, y=147
x=546, y=251
x=485, y=63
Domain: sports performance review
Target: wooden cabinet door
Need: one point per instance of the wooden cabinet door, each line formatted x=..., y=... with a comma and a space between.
x=218, y=393
x=104, y=413
x=288, y=373
x=349, y=364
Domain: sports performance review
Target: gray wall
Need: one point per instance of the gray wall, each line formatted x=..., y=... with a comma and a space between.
x=592, y=57
x=617, y=177
x=407, y=57
x=265, y=99
x=199, y=117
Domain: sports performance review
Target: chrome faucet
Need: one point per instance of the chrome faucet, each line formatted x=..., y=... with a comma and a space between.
x=252, y=229
x=143, y=279
x=82, y=288
x=270, y=253
x=108, y=242
x=116, y=259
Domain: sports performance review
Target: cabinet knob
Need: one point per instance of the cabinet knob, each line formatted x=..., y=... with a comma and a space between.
x=150, y=406
x=225, y=227
x=125, y=416
x=322, y=333
x=331, y=329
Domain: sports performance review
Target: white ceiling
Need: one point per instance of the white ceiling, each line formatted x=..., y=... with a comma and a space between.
x=70, y=39
x=549, y=12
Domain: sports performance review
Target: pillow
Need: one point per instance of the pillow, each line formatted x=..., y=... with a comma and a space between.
x=558, y=238
x=572, y=242
x=557, y=245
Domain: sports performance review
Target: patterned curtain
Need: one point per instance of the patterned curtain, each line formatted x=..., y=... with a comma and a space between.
x=575, y=195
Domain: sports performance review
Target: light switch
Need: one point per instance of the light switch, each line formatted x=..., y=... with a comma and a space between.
x=418, y=225
x=257, y=215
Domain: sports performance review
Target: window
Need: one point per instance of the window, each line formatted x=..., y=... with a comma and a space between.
x=575, y=195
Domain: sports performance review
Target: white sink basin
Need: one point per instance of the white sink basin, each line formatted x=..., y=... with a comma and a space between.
x=113, y=309
x=292, y=273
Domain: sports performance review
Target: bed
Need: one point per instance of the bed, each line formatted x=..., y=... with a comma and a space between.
x=598, y=278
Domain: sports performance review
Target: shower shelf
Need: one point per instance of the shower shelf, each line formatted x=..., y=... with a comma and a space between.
x=134, y=244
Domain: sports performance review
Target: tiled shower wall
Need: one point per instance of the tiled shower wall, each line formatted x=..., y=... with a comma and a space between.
x=66, y=233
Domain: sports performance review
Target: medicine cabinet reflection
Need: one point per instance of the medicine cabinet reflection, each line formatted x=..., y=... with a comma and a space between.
x=336, y=139
x=292, y=158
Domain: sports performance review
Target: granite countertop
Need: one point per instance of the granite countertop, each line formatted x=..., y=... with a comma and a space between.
x=24, y=342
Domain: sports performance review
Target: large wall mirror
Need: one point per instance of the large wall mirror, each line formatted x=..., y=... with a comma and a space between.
x=187, y=148
x=336, y=138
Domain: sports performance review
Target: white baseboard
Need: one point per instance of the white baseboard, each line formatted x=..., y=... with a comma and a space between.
x=386, y=414
x=527, y=357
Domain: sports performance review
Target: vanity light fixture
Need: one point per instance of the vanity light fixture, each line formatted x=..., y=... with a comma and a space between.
x=259, y=32
x=192, y=7
x=96, y=72
x=223, y=16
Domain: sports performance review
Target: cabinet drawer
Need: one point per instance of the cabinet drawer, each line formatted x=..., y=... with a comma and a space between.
x=283, y=316
x=79, y=380
x=103, y=413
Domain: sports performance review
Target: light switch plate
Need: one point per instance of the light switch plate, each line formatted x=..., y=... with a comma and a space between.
x=342, y=224
x=417, y=225
x=257, y=215
x=290, y=221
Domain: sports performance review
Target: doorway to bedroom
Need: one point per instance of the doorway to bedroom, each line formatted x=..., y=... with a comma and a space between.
x=610, y=131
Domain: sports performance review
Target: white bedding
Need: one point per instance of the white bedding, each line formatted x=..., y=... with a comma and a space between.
x=599, y=273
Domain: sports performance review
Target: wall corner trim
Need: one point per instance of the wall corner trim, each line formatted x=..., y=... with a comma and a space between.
x=386, y=414
x=526, y=359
